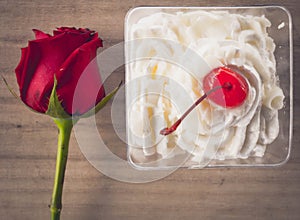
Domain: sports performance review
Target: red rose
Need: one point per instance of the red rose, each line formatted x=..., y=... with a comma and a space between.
x=64, y=55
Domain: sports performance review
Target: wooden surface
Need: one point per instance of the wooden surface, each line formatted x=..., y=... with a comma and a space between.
x=28, y=140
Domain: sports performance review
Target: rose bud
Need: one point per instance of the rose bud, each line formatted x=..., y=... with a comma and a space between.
x=56, y=63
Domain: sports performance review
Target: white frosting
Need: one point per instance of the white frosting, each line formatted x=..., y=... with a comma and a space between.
x=179, y=50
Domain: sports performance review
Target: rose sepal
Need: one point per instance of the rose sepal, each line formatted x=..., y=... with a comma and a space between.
x=16, y=96
x=55, y=109
x=101, y=104
x=10, y=89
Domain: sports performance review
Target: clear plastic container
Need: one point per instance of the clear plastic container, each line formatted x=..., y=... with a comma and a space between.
x=278, y=152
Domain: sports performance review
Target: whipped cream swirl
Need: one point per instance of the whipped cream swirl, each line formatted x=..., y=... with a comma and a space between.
x=179, y=50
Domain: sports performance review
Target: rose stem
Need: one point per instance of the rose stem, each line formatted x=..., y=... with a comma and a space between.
x=167, y=131
x=64, y=128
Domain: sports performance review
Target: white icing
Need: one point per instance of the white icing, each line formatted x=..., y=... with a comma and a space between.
x=217, y=39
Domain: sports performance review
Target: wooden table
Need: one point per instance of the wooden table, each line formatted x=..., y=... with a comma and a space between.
x=28, y=140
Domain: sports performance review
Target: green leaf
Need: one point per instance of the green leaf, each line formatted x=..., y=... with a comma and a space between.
x=101, y=104
x=55, y=108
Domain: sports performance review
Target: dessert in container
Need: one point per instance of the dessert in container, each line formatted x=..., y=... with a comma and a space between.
x=276, y=153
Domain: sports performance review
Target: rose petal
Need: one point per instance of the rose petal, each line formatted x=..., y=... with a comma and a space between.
x=45, y=56
x=40, y=35
x=80, y=72
x=72, y=30
x=30, y=62
x=19, y=69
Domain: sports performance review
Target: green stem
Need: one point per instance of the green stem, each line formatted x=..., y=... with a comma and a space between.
x=65, y=128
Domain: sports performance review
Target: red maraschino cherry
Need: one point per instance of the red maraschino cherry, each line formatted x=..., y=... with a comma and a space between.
x=223, y=86
x=226, y=97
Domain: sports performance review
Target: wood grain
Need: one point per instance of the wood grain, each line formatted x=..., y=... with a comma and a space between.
x=28, y=140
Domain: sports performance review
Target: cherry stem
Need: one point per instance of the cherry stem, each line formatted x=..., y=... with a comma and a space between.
x=167, y=131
